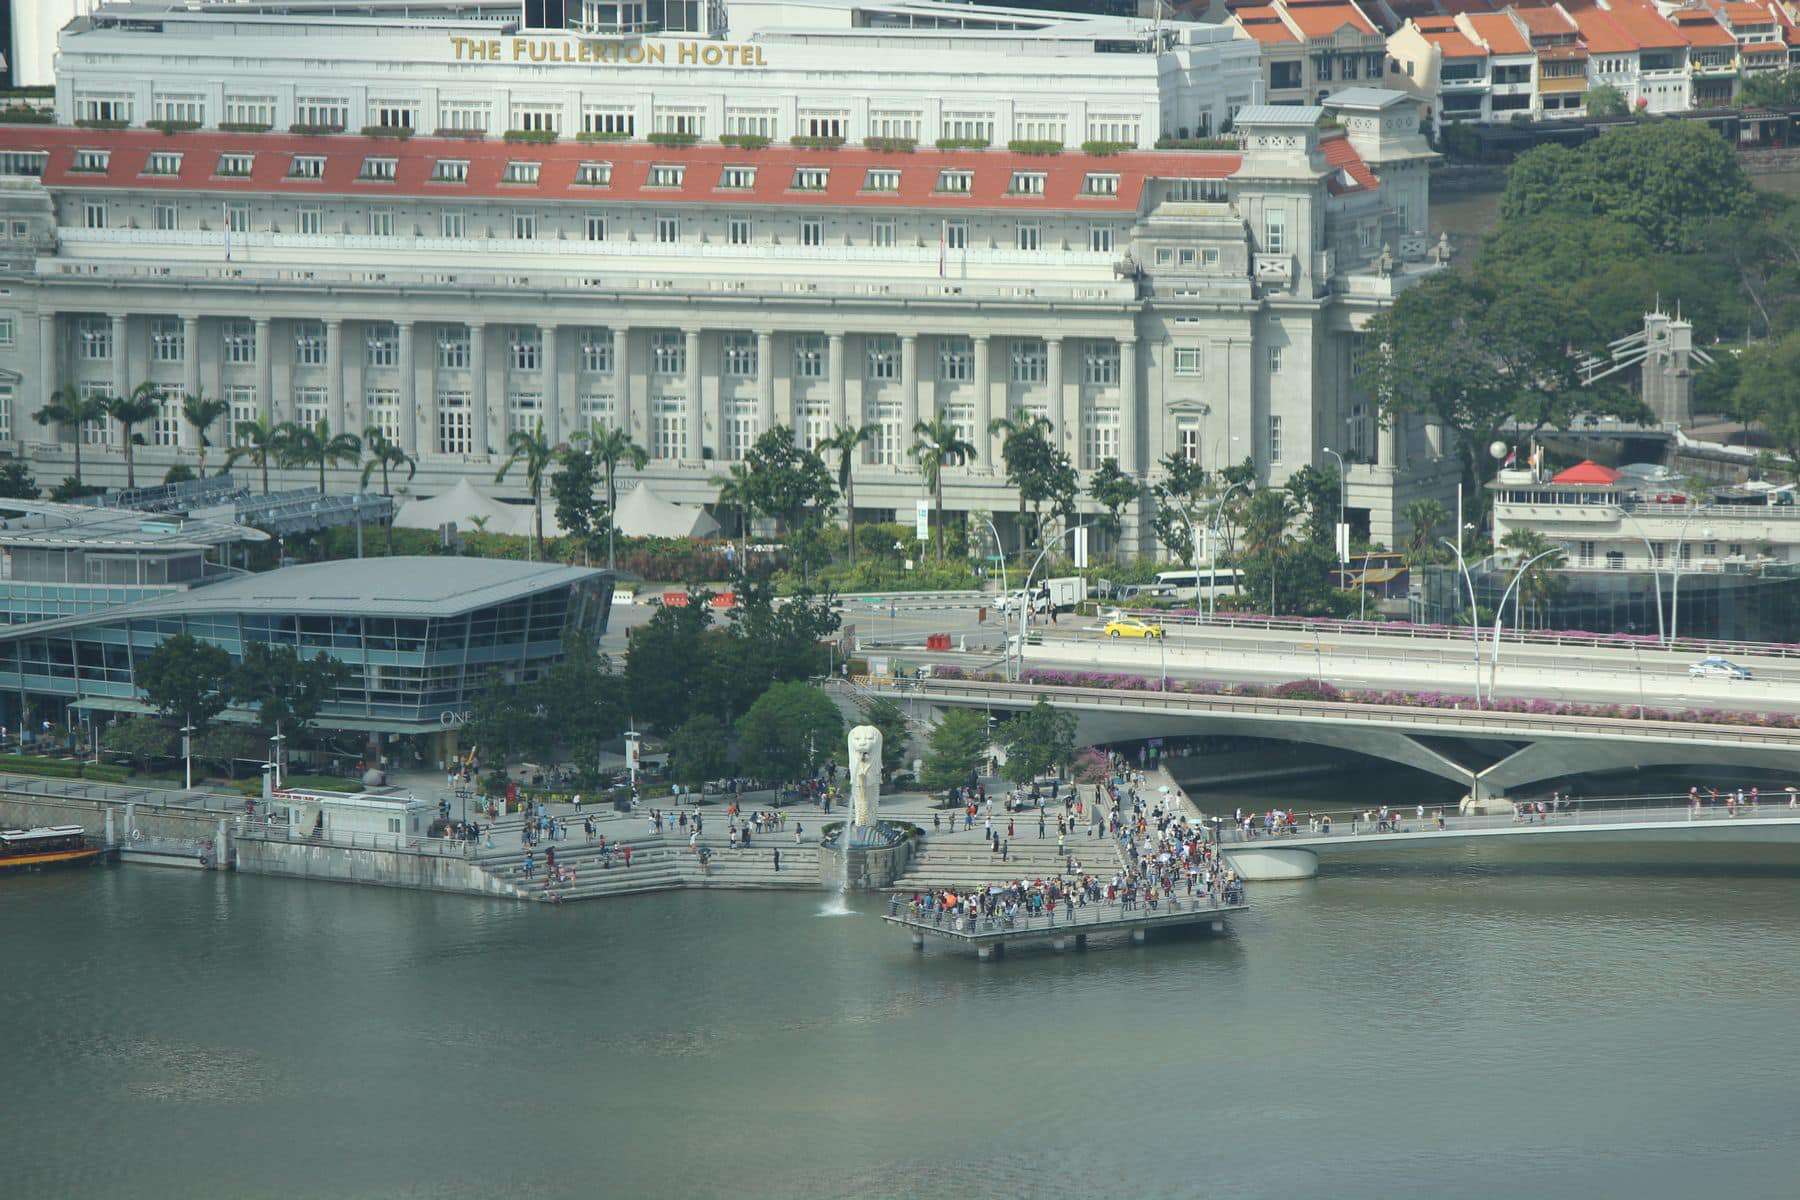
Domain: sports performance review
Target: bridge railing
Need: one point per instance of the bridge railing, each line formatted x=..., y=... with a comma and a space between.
x=1361, y=826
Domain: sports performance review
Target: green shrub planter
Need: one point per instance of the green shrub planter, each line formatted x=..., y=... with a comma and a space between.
x=602, y=135
x=540, y=137
x=166, y=127
x=1104, y=149
x=27, y=116
x=398, y=132
x=962, y=143
x=801, y=142
x=673, y=139
x=94, y=123
x=1034, y=146
x=243, y=127
x=315, y=130
x=891, y=145
x=466, y=135
x=745, y=141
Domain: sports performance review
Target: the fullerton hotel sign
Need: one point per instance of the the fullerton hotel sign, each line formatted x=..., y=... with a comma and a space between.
x=687, y=53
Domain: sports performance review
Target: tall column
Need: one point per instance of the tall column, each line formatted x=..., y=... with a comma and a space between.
x=1387, y=442
x=696, y=434
x=1053, y=348
x=765, y=381
x=409, y=391
x=334, y=373
x=552, y=393
x=984, y=403
x=834, y=360
x=624, y=412
x=478, y=388
x=265, y=369
x=909, y=392
x=1128, y=406
x=48, y=380
x=121, y=355
x=188, y=436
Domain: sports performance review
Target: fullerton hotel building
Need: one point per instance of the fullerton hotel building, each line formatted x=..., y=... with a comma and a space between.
x=457, y=219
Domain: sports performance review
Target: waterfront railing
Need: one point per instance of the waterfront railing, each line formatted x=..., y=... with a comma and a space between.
x=1056, y=918
x=1357, y=825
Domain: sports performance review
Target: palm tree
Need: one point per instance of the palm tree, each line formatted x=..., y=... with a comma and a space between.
x=610, y=447
x=848, y=441
x=71, y=409
x=1422, y=518
x=940, y=445
x=259, y=441
x=202, y=412
x=130, y=411
x=1027, y=442
x=530, y=448
x=735, y=490
x=385, y=454
x=298, y=445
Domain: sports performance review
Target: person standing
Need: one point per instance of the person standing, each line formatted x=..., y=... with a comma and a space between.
x=777, y=853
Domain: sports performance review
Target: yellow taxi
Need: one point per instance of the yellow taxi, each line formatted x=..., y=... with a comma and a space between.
x=1132, y=627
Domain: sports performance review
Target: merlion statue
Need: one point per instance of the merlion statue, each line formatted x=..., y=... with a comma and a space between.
x=865, y=775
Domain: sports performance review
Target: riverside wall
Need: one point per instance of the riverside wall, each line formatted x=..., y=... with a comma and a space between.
x=379, y=868
x=23, y=811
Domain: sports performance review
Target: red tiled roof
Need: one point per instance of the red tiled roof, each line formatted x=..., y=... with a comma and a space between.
x=1700, y=29
x=1545, y=22
x=1647, y=26
x=1762, y=49
x=1266, y=26
x=1500, y=34
x=1601, y=33
x=1453, y=44
x=631, y=163
x=1340, y=154
x=1317, y=20
x=1746, y=14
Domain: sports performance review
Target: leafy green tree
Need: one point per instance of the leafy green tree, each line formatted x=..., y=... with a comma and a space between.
x=131, y=411
x=765, y=644
x=299, y=445
x=958, y=746
x=699, y=751
x=1604, y=100
x=1314, y=493
x=529, y=448
x=610, y=447
x=1114, y=491
x=178, y=473
x=790, y=730
x=668, y=664
x=1184, y=488
x=1769, y=89
x=186, y=679
x=1422, y=519
x=847, y=444
x=584, y=701
x=143, y=740
x=886, y=715
x=16, y=482
x=1037, y=741
x=1540, y=583
x=736, y=493
x=506, y=724
x=939, y=445
x=71, y=490
x=385, y=455
x=259, y=441
x=578, y=509
x=791, y=484
x=286, y=691
x=1768, y=390
x=203, y=412
x=1026, y=451
x=70, y=409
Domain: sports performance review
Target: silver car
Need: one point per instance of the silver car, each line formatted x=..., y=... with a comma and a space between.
x=1715, y=667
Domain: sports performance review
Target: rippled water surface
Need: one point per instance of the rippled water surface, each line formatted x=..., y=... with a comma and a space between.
x=1466, y=1028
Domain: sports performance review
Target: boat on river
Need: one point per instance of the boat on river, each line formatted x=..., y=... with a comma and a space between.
x=47, y=846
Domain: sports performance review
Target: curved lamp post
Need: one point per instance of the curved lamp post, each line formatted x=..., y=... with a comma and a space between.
x=1499, y=613
x=1474, y=617
x=1212, y=529
x=1025, y=598
x=1000, y=553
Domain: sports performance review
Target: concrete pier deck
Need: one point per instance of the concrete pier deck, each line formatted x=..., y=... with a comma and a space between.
x=989, y=936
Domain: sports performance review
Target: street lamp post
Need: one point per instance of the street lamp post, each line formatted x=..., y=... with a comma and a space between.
x=1662, y=627
x=1343, y=474
x=1025, y=590
x=1675, y=570
x=187, y=748
x=1474, y=618
x=1500, y=613
x=1000, y=554
x=275, y=753
x=1212, y=534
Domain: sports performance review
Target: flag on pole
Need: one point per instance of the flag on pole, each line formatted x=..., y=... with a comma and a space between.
x=1512, y=457
x=943, y=235
x=225, y=212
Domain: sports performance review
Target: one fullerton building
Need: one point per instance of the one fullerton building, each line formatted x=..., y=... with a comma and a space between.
x=439, y=221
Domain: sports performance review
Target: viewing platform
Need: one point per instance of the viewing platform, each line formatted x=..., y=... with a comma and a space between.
x=991, y=935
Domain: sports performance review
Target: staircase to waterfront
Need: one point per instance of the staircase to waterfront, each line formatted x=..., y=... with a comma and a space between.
x=659, y=862
x=963, y=861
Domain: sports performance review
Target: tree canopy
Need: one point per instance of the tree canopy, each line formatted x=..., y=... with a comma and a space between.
x=186, y=679
x=1037, y=741
x=957, y=748
x=789, y=730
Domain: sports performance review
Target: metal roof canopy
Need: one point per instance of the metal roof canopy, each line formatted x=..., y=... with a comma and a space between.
x=306, y=511
x=171, y=497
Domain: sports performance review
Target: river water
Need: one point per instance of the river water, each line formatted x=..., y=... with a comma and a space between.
x=1460, y=1028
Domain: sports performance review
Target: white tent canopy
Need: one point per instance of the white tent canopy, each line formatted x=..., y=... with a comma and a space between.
x=643, y=513
x=465, y=506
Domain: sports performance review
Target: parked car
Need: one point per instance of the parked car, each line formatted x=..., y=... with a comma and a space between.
x=1714, y=666
x=1131, y=627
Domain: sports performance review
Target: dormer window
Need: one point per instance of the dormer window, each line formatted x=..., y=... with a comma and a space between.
x=307, y=166
x=881, y=180
x=665, y=176
x=450, y=170
x=737, y=179
x=92, y=160
x=1100, y=185
x=1027, y=183
x=236, y=165
x=811, y=179
x=163, y=163
x=594, y=174
x=520, y=172
x=381, y=170
x=959, y=182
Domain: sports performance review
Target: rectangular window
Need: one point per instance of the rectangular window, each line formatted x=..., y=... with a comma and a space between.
x=690, y=122
x=881, y=180
x=1029, y=236
x=1275, y=360
x=1198, y=191
x=1100, y=239
x=453, y=349
x=94, y=161
x=613, y=121
x=93, y=214
x=309, y=405
x=884, y=358
x=737, y=179
x=1187, y=360
x=249, y=110
x=594, y=174
x=165, y=426
x=664, y=175
x=597, y=352
x=597, y=408
x=395, y=115
x=163, y=163
x=811, y=179
x=737, y=231
x=956, y=360
x=28, y=163
x=185, y=109
x=239, y=341
x=1027, y=183
x=94, y=339
x=521, y=172
x=525, y=409
x=1187, y=440
x=309, y=344
x=525, y=226
x=382, y=408
x=98, y=432
x=822, y=124
x=668, y=352
x=450, y=170
x=167, y=214
x=899, y=125
x=103, y=108
x=235, y=165
x=379, y=170
x=969, y=127
x=1274, y=231
x=750, y=122
x=237, y=216
x=739, y=417
x=240, y=410
x=383, y=343
x=812, y=231
x=1121, y=129
x=1100, y=364
x=884, y=234
x=326, y=114
x=537, y=118
x=809, y=356
x=8, y=331
x=668, y=229
x=381, y=222
x=885, y=417
x=1209, y=256
x=309, y=220
x=455, y=428
x=669, y=437
x=958, y=182
x=596, y=227
x=1100, y=185
x=1274, y=440
x=1041, y=127
x=1102, y=441
x=307, y=166
x=527, y=347
x=168, y=344
x=453, y=223
x=956, y=235
x=1030, y=361
x=740, y=355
